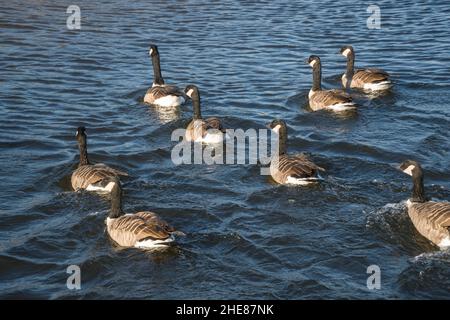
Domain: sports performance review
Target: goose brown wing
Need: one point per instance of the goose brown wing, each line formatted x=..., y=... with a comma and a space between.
x=438, y=214
x=85, y=175
x=212, y=123
x=131, y=228
x=300, y=166
x=431, y=219
x=297, y=166
x=153, y=220
x=157, y=92
x=370, y=76
x=325, y=98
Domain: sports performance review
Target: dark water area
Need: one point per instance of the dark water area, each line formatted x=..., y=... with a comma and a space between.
x=247, y=238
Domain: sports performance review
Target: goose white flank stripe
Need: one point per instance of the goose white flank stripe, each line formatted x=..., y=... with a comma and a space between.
x=445, y=243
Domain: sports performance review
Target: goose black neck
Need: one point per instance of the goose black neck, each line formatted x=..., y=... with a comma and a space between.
x=282, y=140
x=82, y=146
x=317, y=77
x=196, y=105
x=418, y=192
x=116, y=201
x=350, y=65
x=157, y=75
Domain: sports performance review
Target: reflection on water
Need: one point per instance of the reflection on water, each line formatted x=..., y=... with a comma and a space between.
x=165, y=114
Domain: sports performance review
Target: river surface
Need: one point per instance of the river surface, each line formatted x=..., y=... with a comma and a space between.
x=246, y=238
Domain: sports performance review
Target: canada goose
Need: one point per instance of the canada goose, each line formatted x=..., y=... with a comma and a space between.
x=290, y=169
x=367, y=79
x=92, y=177
x=431, y=218
x=335, y=100
x=202, y=130
x=160, y=93
x=140, y=230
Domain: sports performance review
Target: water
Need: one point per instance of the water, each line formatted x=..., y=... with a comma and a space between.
x=246, y=237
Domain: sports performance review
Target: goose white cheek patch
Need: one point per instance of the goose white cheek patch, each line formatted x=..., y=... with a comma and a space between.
x=276, y=129
x=189, y=93
x=346, y=52
x=151, y=51
x=409, y=170
x=312, y=63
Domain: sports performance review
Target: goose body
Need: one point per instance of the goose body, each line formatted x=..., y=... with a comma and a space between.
x=334, y=100
x=430, y=218
x=92, y=177
x=210, y=130
x=144, y=230
x=207, y=131
x=95, y=177
x=160, y=93
x=370, y=79
x=291, y=169
x=164, y=96
x=319, y=99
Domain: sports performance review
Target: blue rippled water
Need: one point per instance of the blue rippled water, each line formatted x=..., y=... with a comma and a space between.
x=246, y=237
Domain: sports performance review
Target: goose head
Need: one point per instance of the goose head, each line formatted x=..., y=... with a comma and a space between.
x=347, y=51
x=313, y=61
x=153, y=50
x=80, y=134
x=277, y=125
x=411, y=167
x=191, y=91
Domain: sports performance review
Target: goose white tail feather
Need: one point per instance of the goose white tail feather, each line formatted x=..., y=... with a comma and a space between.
x=301, y=181
x=97, y=188
x=149, y=243
x=342, y=107
x=383, y=85
x=169, y=101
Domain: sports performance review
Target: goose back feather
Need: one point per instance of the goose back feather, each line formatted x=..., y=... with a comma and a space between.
x=96, y=175
x=330, y=99
x=131, y=229
x=288, y=169
x=164, y=95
